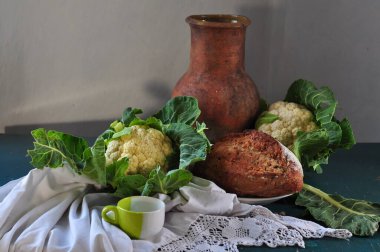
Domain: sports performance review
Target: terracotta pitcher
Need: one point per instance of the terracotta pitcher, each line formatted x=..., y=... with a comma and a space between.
x=216, y=76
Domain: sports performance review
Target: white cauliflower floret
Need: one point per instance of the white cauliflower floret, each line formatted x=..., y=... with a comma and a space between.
x=293, y=117
x=145, y=148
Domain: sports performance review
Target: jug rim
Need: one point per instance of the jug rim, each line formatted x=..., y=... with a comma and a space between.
x=219, y=20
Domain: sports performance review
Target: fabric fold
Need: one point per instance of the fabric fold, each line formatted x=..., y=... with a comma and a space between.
x=58, y=210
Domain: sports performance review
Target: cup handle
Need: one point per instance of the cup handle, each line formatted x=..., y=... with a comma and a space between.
x=108, y=209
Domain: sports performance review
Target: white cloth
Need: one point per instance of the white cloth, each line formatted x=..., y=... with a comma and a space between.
x=57, y=210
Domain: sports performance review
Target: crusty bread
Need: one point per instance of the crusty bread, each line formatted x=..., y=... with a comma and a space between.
x=252, y=163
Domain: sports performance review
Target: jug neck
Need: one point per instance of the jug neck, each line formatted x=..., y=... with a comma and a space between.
x=214, y=49
x=217, y=43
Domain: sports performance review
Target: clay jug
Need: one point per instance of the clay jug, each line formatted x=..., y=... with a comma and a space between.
x=227, y=96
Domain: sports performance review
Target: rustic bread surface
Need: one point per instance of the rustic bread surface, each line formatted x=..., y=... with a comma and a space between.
x=252, y=163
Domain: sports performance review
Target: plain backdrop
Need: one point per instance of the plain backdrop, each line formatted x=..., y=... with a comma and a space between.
x=75, y=65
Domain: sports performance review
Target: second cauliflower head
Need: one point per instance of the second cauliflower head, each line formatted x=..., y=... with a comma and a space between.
x=145, y=147
x=292, y=117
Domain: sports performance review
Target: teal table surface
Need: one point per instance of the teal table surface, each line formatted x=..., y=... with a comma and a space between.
x=353, y=174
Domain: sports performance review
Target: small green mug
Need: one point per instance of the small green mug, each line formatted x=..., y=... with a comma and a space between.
x=140, y=217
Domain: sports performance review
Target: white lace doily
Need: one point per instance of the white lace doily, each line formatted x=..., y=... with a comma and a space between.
x=261, y=226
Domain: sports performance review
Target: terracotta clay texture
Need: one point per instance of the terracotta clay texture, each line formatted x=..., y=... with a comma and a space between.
x=227, y=96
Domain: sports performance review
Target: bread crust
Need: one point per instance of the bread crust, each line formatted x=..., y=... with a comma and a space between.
x=252, y=163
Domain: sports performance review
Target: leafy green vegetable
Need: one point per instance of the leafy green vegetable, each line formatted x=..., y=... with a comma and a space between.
x=264, y=118
x=310, y=142
x=347, y=135
x=95, y=162
x=116, y=171
x=176, y=119
x=107, y=135
x=200, y=128
x=129, y=115
x=192, y=146
x=53, y=149
x=130, y=185
x=181, y=109
x=314, y=148
x=159, y=182
x=358, y=216
x=151, y=122
x=263, y=106
x=309, y=145
x=123, y=132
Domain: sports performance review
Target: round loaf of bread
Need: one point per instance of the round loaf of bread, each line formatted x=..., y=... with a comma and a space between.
x=252, y=163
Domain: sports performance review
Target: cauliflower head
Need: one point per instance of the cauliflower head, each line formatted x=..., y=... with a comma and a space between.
x=292, y=117
x=144, y=147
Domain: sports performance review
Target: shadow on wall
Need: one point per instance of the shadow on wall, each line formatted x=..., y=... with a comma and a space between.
x=82, y=129
x=264, y=37
x=158, y=92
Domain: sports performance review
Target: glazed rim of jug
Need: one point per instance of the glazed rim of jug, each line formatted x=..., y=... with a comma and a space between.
x=218, y=20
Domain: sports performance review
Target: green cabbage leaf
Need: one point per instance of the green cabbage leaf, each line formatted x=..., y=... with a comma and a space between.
x=360, y=217
x=265, y=118
x=314, y=148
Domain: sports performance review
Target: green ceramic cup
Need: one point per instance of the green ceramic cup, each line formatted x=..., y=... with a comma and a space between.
x=139, y=216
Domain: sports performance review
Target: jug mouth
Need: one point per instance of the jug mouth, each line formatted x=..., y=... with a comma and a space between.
x=219, y=20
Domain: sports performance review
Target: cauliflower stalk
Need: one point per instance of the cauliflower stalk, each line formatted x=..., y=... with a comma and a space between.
x=288, y=119
x=146, y=148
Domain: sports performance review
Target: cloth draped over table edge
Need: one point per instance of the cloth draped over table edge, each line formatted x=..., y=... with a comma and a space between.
x=58, y=210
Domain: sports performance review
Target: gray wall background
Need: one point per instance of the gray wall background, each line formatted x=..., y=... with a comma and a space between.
x=76, y=65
